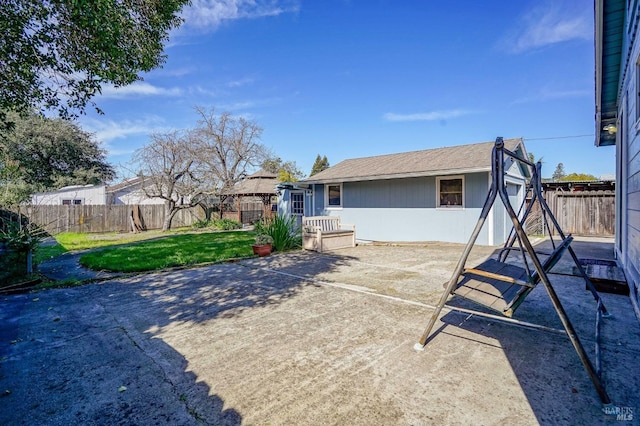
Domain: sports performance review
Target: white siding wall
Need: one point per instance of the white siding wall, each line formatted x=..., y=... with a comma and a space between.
x=89, y=195
x=135, y=196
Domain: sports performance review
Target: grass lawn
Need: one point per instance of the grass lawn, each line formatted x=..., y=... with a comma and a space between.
x=175, y=250
x=71, y=241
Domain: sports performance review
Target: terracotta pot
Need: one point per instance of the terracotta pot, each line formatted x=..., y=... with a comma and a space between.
x=262, y=250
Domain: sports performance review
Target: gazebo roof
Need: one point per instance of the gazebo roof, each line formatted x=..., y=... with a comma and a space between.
x=259, y=183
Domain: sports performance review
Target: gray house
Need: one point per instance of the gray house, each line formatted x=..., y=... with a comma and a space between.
x=617, y=63
x=430, y=195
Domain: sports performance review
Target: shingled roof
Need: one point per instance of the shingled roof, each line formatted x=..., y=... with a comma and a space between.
x=429, y=162
x=259, y=183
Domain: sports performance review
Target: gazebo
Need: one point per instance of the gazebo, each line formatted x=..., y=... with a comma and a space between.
x=256, y=189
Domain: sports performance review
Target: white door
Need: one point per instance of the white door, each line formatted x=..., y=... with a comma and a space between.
x=297, y=205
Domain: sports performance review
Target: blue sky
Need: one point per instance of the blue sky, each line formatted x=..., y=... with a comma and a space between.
x=350, y=78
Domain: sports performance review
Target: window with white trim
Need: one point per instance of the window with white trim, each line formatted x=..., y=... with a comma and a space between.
x=450, y=192
x=334, y=195
x=68, y=202
x=297, y=203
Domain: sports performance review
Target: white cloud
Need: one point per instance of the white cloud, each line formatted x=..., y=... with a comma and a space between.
x=241, y=82
x=550, y=23
x=426, y=116
x=211, y=13
x=107, y=131
x=176, y=72
x=139, y=88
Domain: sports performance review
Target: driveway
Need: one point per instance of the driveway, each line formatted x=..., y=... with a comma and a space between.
x=306, y=338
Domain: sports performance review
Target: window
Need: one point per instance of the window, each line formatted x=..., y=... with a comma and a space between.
x=297, y=203
x=68, y=202
x=450, y=192
x=334, y=195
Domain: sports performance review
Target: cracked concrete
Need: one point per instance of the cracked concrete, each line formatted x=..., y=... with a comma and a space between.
x=304, y=338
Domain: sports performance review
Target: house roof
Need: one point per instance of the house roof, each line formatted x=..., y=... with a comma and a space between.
x=124, y=184
x=430, y=162
x=609, y=61
x=259, y=183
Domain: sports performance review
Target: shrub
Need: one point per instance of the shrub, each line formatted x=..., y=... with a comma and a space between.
x=284, y=231
x=262, y=239
x=201, y=224
x=221, y=224
x=22, y=238
x=227, y=224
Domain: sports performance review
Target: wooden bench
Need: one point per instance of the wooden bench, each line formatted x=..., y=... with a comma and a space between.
x=322, y=233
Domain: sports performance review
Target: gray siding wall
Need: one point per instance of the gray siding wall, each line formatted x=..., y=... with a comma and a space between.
x=405, y=210
x=628, y=171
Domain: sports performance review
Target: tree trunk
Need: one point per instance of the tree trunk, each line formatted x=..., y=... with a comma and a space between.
x=170, y=211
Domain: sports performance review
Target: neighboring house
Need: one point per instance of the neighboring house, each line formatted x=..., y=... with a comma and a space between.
x=130, y=192
x=617, y=69
x=430, y=195
x=72, y=195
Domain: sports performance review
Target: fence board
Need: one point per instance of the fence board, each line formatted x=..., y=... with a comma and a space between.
x=584, y=212
x=104, y=218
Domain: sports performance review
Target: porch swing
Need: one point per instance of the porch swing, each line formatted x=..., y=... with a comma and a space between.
x=500, y=286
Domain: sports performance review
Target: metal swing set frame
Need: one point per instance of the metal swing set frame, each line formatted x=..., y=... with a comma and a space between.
x=501, y=286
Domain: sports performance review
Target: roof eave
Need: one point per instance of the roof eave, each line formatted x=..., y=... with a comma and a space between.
x=609, y=25
x=447, y=172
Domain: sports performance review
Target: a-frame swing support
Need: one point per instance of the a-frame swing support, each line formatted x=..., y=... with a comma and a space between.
x=518, y=287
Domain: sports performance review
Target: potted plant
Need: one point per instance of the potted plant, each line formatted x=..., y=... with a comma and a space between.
x=263, y=245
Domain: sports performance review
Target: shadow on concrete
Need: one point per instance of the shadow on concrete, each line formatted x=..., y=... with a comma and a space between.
x=546, y=365
x=226, y=290
x=81, y=365
x=97, y=354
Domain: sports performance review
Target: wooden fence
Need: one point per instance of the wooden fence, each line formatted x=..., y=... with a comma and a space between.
x=104, y=218
x=589, y=213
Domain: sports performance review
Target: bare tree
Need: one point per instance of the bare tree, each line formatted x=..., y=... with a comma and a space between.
x=228, y=146
x=172, y=171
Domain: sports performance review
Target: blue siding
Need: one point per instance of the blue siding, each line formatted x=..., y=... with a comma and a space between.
x=628, y=166
x=396, y=193
x=405, y=210
x=418, y=224
x=318, y=200
x=477, y=186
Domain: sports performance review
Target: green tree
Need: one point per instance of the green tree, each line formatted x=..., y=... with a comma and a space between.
x=57, y=54
x=578, y=177
x=319, y=165
x=559, y=173
x=41, y=154
x=13, y=188
x=287, y=171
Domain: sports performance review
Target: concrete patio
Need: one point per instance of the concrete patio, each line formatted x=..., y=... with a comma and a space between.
x=307, y=338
